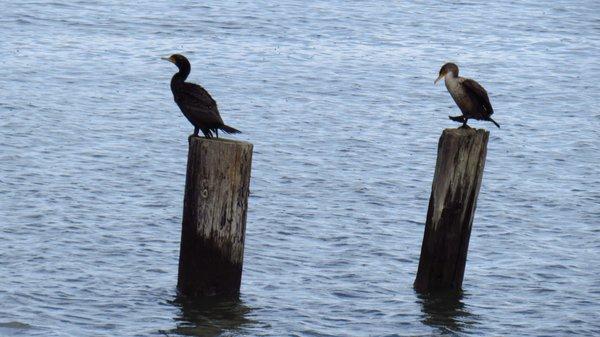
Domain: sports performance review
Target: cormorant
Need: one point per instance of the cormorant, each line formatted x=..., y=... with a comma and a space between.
x=195, y=102
x=470, y=96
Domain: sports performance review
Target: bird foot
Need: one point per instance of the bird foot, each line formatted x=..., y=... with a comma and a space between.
x=459, y=119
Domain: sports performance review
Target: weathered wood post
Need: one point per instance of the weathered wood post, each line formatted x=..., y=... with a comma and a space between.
x=456, y=182
x=214, y=217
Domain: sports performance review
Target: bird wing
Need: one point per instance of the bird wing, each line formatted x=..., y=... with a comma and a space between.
x=197, y=102
x=477, y=92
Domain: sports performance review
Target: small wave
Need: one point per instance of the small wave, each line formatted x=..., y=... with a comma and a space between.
x=15, y=325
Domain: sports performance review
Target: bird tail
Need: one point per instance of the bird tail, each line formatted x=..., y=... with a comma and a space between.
x=493, y=121
x=229, y=129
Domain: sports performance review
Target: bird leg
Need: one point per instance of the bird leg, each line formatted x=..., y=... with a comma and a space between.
x=207, y=133
x=217, y=133
x=195, y=134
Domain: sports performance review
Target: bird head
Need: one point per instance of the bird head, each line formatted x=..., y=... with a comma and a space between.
x=177, y=59
x=448, y=68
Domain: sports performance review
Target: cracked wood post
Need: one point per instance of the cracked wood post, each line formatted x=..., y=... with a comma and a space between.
x=214, y=217
x=456, y=182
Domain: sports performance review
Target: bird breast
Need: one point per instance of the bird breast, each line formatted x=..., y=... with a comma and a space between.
x=458, y=93
x=455, y=88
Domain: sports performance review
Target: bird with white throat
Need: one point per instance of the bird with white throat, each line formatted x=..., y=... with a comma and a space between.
x=470, y=96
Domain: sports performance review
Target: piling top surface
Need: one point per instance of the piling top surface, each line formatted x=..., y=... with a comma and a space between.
x=194, y=140
x=464, y=131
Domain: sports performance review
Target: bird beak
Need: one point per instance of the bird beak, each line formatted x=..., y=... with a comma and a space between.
x=168, y=59
x=438, y=79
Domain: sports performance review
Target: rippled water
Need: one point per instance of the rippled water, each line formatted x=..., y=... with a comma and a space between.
x=338, y=99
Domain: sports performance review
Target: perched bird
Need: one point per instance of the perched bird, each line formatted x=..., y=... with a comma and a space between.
x=470, y=96
x=196, y=103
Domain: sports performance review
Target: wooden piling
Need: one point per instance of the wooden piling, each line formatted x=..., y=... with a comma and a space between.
x=214, y=217
x=456, y=182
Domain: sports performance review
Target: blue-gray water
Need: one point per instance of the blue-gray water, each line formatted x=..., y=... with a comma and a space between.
x=338, y=99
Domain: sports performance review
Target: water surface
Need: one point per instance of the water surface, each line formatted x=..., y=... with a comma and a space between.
x=338, y=99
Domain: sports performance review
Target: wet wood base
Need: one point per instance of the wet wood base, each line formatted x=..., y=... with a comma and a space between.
x=457, y=179
x=214, y=217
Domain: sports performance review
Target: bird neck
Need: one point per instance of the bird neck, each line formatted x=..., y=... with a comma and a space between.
x=450, y=77
x=452, y=84
x=184, y=71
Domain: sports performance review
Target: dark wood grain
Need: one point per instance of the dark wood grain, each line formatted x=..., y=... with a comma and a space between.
x=214, y=217
x=456, y=183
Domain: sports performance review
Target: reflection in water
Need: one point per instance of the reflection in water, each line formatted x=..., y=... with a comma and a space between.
x=445, y=311
x=212, y=316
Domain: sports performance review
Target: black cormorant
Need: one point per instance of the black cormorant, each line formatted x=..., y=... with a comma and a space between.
x=470, y=96
x=195, y=102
